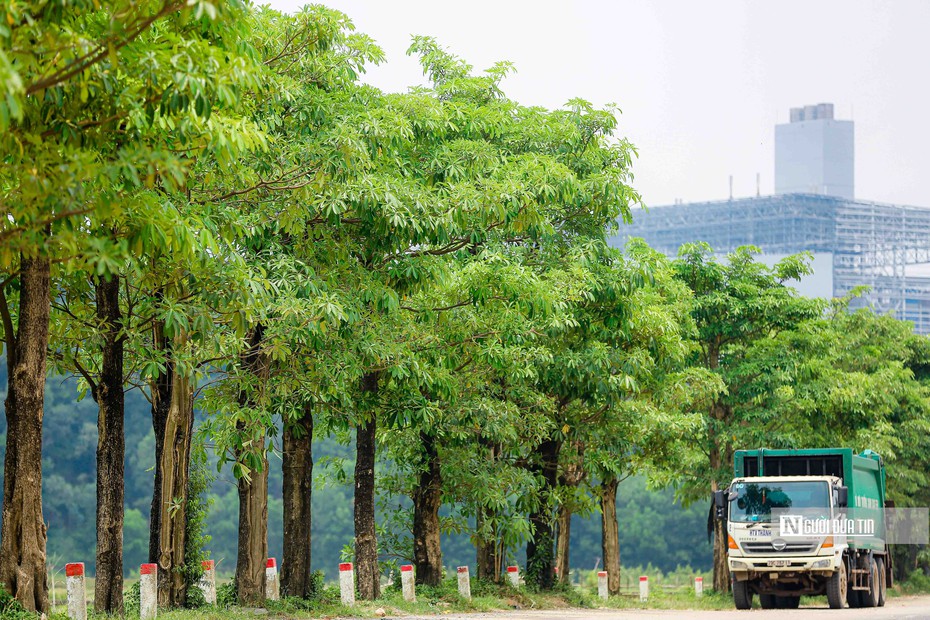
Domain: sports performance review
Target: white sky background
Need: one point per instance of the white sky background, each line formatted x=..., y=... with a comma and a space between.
x=701, y=84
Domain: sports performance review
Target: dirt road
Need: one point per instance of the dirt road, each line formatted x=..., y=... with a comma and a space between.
x=902, y=608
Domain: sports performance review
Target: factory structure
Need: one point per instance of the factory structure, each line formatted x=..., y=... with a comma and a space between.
x=854, y=242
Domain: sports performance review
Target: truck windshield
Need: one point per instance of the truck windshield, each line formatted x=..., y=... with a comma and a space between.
x=755, y=500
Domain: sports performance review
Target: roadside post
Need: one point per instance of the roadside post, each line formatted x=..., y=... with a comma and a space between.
x=406, y=583
x=513, y=574
x=77, y=594
x=208, y=582
x=347, y=583
x=148, y=591
x=272, y=586
x=602, y=584
x=464, y=582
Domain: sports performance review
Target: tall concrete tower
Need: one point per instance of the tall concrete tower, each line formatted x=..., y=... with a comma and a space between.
x=814, y=153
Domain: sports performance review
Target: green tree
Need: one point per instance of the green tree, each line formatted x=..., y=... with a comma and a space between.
x=740, y=305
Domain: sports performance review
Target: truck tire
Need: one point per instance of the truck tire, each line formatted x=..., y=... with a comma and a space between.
x=768, y=601
x=836, y=588
x=870, y=597
x=883, y=580
x=788, y=602
x=742, y=595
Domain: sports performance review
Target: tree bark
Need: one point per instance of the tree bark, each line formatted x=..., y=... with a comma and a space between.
x=253, y=537
x=427, y=498
x=540, y=553
x=488, y=556
x=253, y=491
x=721, y=455
x=367, y=572
x=610, y=534
x=488, y=551
x=109, y=395
x=563, y=542
x=298, y=486
x=573, y=475
x=173, y=422
x=23, y=531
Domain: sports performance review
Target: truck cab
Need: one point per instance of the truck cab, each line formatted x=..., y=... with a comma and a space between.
x=786, y=528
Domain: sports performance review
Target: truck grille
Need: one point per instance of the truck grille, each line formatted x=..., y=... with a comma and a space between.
x=790, y=547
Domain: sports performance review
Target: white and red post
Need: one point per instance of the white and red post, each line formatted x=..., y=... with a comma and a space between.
x=513, y=574
x=602, y=584
x=77, y=594
x=208, y=582
x=347, y=583
x=148, y=591
x=464, y=582
x=272, y=585
x=699, y=586
x=644, y=588
x=406, y=583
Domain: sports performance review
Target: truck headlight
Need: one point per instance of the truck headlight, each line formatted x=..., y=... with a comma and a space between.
x=823, y=563
x=736, y=564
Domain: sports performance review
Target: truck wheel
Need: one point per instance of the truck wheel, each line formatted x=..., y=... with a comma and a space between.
x=742, y=595
x=768, y=601
x=788, y=602
x=836, y=588
x=870, y=598
x=883, y=580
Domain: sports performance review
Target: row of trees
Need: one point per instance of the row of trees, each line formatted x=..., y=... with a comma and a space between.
x=204, y=203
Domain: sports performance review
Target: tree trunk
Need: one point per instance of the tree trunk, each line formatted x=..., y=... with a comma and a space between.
x=366, y=541
x=488, y=558
x=610, y=534
x=173, y=421
x=427, y=498
x=23, y=532
x=487, y=549
x=298, y=485
x=109, y=395
x=253, y=537
x=573, y=475
x=161, y=403
x=253, y=491
x=563, y=541
x=540, y=553
x=717, y=459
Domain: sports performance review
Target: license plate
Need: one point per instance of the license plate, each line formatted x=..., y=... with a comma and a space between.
x=779, y=563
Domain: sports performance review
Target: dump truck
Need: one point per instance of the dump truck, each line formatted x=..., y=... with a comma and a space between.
x=806, y=522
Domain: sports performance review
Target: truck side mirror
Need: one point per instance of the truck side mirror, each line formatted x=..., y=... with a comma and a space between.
x=842, y=497
x=720, y=504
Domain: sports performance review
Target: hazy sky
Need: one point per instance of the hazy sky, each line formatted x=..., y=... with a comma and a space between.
x=701, y=84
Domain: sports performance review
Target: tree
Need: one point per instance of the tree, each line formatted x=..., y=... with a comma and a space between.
x=739, y=306
x=77, y=122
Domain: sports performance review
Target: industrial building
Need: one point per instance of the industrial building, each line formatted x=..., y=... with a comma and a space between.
x=854, y=242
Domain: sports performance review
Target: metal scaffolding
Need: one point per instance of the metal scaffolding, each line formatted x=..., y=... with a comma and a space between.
x=873, y=244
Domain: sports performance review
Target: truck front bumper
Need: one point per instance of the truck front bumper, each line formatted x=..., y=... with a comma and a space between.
x=744, y=567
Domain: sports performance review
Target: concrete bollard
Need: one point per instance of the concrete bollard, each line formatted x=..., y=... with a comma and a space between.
x=272, y=585
x=208, y=582
x=602, y=584
x=347, y=583
x=513, y=574
x=644, y=588
x=77, y=595
x=699, y=586
x=464, y=582
x=148, y=591
x=406, y=583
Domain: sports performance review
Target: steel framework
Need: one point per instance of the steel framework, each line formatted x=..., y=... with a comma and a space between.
x=872, y=244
